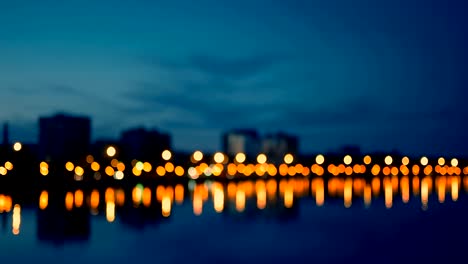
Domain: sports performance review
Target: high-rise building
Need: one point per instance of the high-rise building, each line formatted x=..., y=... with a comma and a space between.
x=140, y=143
x=241, y=141
x=64, y=137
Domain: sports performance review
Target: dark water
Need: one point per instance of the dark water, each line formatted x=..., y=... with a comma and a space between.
x=237, y=225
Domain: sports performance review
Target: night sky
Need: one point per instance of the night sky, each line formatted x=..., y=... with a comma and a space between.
x=380, y=74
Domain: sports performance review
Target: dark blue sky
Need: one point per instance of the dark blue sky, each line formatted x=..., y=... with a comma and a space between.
x=380, y=74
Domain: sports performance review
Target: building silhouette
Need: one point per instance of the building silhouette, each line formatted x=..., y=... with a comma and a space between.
x=276, y=145
x=63, y=137
x=140, y=143
x=241, y=141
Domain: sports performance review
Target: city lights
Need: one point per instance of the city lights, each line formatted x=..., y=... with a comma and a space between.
x=197, y=156
x=288, y=158
x=388, y=160
x=424, y=161
x=166, y=155
x=261, y=158
x=218, y=157
x=320, y=159
x=347, y=160
x=240, y=157
x=17, y=146
x=111, y=151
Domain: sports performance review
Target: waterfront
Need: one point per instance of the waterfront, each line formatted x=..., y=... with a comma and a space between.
x=288, y=220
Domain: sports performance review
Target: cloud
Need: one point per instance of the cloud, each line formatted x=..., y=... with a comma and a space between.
x=213, y=66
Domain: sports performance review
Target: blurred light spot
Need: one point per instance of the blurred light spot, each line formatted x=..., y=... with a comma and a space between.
x=367, y=160
x=261, y=158
x=69, y=166
x=218, y=157
x=288, y=158
x=388, y=160
x=17, y=146
x=424, y=161
x=43, y=200
x=111, y=151
x=454, y=162
x=166, y=155
x=347, y=159
x=69, y=201
x=110, y=211
x=405, y=161
x=197, y=156
x=16, y=223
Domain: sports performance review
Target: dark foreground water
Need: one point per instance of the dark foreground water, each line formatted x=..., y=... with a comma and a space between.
x=252, y=222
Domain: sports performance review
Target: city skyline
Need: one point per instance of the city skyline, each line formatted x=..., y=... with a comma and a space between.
x=383, y=76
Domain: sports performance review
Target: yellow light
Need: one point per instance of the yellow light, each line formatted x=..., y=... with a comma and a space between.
x=147, y=167
x=261, y=158
x=169, y=167
x=69, y=166
x=424, y=161
x=110, y=211
x=240, y=157
x=8, y=165
x=197, y=156
x=95, y=166
x=120, y=166
x=166, y=206
x=79, y=198
x=119, y=175
x=240, y=200
x=16, y=219
x=166, y=155
x=218, y=157
x=388, y=160
x=43, y=200
x=17, y=146
x=405, y=161
x=109, y=171
x=454, y=162
x=111, y=151
x=146, y=197
x=160, y=171
x=94, y=199
x=3, y=171
x=348, y=192
x=79, y=171
x=367, y=160
x=218, y=198
x=441, y=161
x=320, y=159
x=347, y=159
x=69, y=201
x=288, y=158
x=179, y=171
x=179, y=193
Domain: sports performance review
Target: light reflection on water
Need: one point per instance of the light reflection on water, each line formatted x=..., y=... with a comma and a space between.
x=264, y=192
x=68, y=216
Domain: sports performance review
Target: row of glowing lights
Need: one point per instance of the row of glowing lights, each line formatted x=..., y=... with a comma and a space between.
x=116, y=168
x=263, y=191
x=216, y=169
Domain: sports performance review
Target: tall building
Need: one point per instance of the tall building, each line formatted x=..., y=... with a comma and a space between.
x=275, y=146
x=64, y=137
x=140, y=143
x=241, y=141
